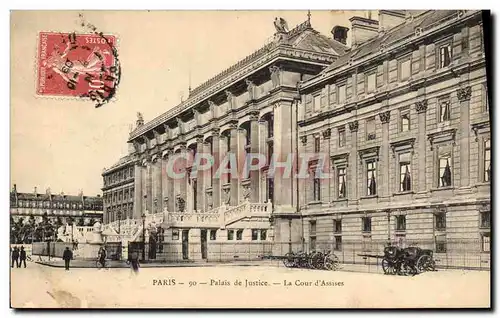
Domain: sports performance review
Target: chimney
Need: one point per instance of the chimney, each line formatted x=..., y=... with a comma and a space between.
x=390, y=18
x=340, y=34
x=363, y=29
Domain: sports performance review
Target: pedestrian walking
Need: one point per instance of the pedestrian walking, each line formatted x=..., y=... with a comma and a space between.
x=134, y=261
x=15, y=257
x=67, y=257
x=22, y=257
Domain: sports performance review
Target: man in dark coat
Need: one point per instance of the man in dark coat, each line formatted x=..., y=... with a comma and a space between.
x=22, y=257
x=67, y=257
x=15, y=257
x=134, y=261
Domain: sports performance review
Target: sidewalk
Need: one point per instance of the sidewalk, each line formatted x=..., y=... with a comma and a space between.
x=78, y=263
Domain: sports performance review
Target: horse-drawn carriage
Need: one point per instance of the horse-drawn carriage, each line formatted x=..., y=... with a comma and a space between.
x=406, y=261
x=313, y=260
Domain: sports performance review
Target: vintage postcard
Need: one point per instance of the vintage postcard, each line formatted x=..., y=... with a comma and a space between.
x=250, y=159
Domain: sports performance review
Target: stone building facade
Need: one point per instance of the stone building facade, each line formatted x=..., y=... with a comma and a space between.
x=250, y=107
x=403, y=118
x=57, y=208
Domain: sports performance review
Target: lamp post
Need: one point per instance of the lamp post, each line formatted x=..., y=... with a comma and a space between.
x=143, y=236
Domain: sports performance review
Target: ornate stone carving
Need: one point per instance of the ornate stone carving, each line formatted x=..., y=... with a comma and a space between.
x=230, y=99
x=253, y=116
x=464, y=93
x=327, y=133
x=421, y=106
x=353, y=126
x=180, y=124
x=181, y=204
x=385, y=117
x=275, y=75
x=250, y=89
x=215, y=132
x=246, y=191
x=140, y=120
x=226, y=195
x=303, y=139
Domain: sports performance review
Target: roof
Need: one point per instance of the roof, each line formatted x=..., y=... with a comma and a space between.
x=302, y=37
x=122, y=161
x=425, y=20
x=56, y=197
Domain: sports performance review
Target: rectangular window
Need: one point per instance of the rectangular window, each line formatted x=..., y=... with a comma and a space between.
x=444, y=111
x=338, y=243
x=337, y=226
x=371, y=177
x=316, y=189
x=405, y=69
x=342, y=94
x=342, y=139
x=317, y=103
x=230, y=235
x=316, y=144
x=366, y=224
x=444, y=170
x=440, y=221
x=312, y=235
x=263, y=235
x=370, y=129
x=445, y=55
x=213, y=235
x=400, y=222
x=485, y=242
x=239, y=235
x=270, y=189
x=255, y=235
x=485, y=220
x=175, y=235
x=405, y=120
x=440, y=244
x=487, y=161
x=405, y=172
x=371, y=82
x=486, y=104
x=342, y=183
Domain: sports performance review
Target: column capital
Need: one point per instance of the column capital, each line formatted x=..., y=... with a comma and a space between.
x=353, y=126
x=233, y=124
x=464, y=93
x=385, y=117
x=254, y=116
x=215, y=132
x=421, y=106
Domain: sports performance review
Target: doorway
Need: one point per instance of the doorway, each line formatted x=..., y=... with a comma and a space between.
x=203, y=244
x=185, y=244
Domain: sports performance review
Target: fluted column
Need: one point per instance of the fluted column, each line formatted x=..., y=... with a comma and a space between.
x=421, y=108
x=254, y=150
x=170, y=182
x=385, y=117
x=216, y=181
x=200, y=177
x=157, y=185
x=149, y=187
x=353, y=163
x=137, y=190
x=235, y=153
x=183, y=182
x=464, y=94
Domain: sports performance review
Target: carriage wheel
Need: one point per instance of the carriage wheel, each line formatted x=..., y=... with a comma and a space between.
x=318, y=261
x=388, y=267
x=426, y=263
x=331, y=263
x=289, y=261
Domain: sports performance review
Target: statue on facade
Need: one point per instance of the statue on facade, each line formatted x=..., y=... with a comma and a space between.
x=280, y=25
x=140, y=119
x=181, y=204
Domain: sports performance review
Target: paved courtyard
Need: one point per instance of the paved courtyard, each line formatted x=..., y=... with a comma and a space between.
x=261, y=286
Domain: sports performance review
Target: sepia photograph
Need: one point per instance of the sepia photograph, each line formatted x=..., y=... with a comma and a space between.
x=250, y=159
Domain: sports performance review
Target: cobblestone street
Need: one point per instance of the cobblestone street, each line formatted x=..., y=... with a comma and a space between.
x=181, y=287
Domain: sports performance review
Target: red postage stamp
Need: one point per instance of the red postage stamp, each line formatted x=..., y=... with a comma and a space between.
x=77, y=65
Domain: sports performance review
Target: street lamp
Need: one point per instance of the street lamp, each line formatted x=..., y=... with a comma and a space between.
x=119, y=221
x=143, y=236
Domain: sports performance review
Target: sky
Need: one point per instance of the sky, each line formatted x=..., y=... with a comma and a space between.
x=65, y=143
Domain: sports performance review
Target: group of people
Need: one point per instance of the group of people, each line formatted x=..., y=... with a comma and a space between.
x=18, y=256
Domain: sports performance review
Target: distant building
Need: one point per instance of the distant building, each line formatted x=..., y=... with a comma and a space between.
x=118, y=190
x=58, y=208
